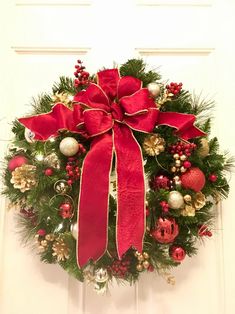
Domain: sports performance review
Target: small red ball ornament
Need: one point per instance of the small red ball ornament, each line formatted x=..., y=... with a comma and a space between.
x=17, y=161
x=177, y=253
x=66, y=210
x=193, y=179
x=41, y=232
x=48, y=172
x=213, y=177
x=166, y=230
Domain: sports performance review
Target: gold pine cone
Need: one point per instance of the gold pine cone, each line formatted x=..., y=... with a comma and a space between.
x=62, y=98
x=204, y=149
x=154, y=144
x=61, y=251
x=23, y=178
x=200, y=200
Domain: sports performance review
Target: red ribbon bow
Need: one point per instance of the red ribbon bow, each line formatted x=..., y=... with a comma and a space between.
x=113, y=108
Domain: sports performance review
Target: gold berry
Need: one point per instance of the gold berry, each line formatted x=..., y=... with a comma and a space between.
x=145, y=255
x=146, y=264
x=139, y=267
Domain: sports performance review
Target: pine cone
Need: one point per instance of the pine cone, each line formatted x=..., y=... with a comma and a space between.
x=23, y=178
x=60, y=250
x=154, y=144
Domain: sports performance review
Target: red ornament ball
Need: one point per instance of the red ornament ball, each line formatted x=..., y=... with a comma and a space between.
x=66, y=210
x=41, y=232
x=48, y=172
x=161, y=182
x=213, y=177
x=17, y=161
x=166, y=230
x=193, y=179
x=177, y=253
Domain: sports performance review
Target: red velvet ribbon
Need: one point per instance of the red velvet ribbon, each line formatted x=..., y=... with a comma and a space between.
x=108, y=112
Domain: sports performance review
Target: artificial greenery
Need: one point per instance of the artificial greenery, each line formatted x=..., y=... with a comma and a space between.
x=39, y=206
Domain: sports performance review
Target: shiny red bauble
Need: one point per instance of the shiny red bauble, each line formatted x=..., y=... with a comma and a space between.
x=213, y=177
x=177, y=253
x=66, y=210
x=48, y=172
x=166, y=230
x=17, y=161
x=193, y=179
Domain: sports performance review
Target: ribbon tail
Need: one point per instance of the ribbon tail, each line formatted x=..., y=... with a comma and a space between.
x=48, y=124
x=130, y=191
x=184, y=124
x=94, y=200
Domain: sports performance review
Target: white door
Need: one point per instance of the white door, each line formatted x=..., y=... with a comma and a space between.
x=193, y=42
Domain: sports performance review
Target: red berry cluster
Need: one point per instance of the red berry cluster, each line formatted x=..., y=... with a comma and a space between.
x=120, y=268
x=203, y=231
x=182, y=148
x=174, y=88
x=165, y=206
x=82, y=77
x=73, y=170
x=66, y=210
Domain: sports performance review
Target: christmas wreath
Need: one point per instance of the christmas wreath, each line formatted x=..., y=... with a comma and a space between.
x=113, y=174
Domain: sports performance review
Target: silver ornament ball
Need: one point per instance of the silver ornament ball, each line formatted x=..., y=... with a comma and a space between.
x=74, y=230
x=154, y=89
x=175, y=200
x=29, y=135
x=69, y=146
x=101, y=275
x=61, y=187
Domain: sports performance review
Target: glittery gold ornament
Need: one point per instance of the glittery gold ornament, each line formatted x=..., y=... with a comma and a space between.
x=23, y=178
x=153, y=145
x=62, y=97
x=187, y=198
x=52, y=160
x=204, y=150
x=61, y=251
x=189, y=210
x=200, y=200
x=44, y=243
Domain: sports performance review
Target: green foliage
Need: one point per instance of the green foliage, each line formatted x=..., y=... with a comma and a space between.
x=136, y=68
x=44, y=203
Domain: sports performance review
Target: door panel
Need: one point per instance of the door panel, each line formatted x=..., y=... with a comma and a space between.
x=190, y=41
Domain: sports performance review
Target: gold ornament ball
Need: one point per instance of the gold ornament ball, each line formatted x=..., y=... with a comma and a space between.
x=182, y=169
x=183, y=157
x=187, y=198
x=176, y=156
x=173, y=169
x=74, y=230
x=146, y=264
x=204, y=149
x=140, y=258
x=69, y=146
x=139, y=267
x=44, y=243
x=175, y=200
x=145, y=255
x=177, y=163
x=101, y=275
x=154, y=89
